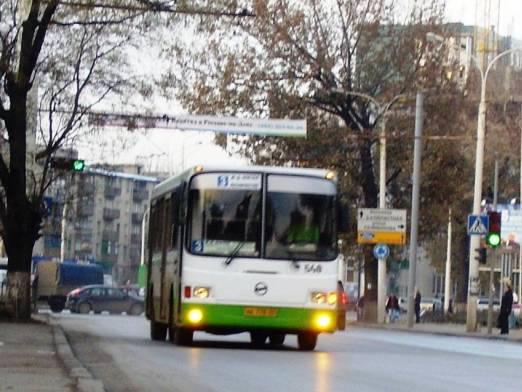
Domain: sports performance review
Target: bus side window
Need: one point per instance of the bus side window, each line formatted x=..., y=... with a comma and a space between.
x=167, y=222
x=153, y=228
x=174, y=214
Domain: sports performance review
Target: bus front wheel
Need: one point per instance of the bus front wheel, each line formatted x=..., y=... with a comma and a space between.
x=257, y=339
x=306, y=341
x=183, y=336
x=158, y=331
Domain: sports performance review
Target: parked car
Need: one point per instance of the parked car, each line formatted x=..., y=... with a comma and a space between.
x=100, y=298
x=431, y=305
x=483, y=304
x=53, y=280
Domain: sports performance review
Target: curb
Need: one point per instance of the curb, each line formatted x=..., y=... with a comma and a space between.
x=476, y=335
x=85, y=382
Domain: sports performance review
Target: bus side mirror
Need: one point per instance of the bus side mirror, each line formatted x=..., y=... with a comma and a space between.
x=343, y=218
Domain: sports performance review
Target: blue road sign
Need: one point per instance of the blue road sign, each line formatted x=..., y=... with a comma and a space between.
x=381, y=251
x=478, y=224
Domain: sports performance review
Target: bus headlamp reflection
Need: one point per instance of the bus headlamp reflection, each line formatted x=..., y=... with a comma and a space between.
x=195, y=316
x=323, y=321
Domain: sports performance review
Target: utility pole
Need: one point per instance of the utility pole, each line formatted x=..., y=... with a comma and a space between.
x=447, y=275
x=64, y=229
x=381, y=266
x=415, y=201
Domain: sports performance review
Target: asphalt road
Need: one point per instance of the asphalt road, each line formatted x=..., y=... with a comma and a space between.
x=117, y=349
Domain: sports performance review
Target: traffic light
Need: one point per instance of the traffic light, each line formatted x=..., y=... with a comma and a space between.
x=78, y=165
x=66, y=164
x=493, y=237
x=482, y=255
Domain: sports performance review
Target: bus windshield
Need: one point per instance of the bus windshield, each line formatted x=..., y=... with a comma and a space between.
x=225, y=214
x=300, y=218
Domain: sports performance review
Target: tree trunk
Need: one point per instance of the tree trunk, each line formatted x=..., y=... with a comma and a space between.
x=370, y=192
x=18, y=302
x=22, y=220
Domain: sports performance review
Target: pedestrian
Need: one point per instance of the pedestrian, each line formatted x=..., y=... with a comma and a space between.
x=505, y=310
x=392, y=308
x=360, y=308
x=417, y=306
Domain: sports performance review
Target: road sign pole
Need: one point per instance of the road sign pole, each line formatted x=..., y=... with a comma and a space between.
x=415, y=201
x=381, y=266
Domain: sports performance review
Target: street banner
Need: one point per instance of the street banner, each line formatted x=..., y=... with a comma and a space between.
x=243, y=126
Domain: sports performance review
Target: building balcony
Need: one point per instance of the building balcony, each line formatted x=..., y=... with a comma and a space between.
x=86, y=188
x=111, y=192
x=137, y=218
x=84, y=236
x=110, y=235
x=85, y=209
x=85, y=248
x=135, y=238
x=111, y=213
x=139, y=195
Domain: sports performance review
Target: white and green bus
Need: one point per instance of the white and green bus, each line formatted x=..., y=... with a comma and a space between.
x=254, y=249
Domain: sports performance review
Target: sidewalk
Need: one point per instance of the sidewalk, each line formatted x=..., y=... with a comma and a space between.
x=446, y=329
x=36, y=356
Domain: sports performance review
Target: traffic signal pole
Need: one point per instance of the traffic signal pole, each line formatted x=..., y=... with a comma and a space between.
x=494, y=260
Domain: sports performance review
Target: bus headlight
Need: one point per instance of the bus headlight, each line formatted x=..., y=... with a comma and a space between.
x=319, y=297
x=332, y=298
x=201, y=292
x=195, y=316
x=323, y=321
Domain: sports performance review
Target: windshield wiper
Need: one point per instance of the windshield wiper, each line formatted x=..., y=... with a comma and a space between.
x=292, y=258
x=234, y=253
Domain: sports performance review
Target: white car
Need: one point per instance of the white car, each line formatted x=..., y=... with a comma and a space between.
x=483, y=304
x=431, y=304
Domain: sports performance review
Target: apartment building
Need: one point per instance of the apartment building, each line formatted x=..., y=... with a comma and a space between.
x=104, y=208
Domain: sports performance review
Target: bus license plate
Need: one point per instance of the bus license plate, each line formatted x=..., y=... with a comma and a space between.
x=260, y=312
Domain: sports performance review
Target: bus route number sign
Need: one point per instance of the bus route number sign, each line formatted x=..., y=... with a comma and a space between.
x=239, y=181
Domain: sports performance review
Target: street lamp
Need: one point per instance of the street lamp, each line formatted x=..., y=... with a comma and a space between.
x=382, y=109
x=474, y=243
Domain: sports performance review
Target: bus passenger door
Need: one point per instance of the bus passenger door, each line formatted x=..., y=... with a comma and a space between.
x=176, y=238
x=164, y=294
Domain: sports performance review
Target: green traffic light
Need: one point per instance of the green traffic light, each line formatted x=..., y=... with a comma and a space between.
x=493, y=240
x=78, y=165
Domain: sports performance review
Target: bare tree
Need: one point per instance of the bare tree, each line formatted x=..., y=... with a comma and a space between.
x=67, y=59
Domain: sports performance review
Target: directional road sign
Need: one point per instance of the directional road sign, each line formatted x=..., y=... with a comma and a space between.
x=381, y=226
x=381, y=251
x=478, y=224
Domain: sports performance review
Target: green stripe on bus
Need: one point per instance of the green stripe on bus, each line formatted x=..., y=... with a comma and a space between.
x=258, y=317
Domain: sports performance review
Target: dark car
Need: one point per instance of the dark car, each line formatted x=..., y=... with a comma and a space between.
x=104, y=298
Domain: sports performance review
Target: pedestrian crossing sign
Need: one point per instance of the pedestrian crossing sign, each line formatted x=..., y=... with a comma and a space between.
x=478, y=224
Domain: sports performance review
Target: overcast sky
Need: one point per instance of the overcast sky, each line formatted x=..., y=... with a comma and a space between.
x=473, y=12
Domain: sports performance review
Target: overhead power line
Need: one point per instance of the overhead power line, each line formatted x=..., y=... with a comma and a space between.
x=150, y=6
